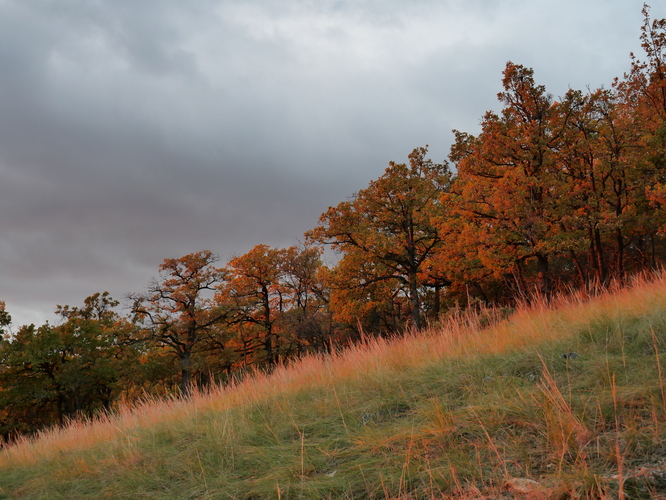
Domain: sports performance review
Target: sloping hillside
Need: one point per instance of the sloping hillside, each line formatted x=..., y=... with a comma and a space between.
x=566, y=401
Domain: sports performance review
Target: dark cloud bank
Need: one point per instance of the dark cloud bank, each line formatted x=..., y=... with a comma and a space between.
x=135, y=131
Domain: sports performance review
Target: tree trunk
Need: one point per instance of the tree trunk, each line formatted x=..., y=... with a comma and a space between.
x=520, y=280
x=482, y=293
x=579, y=268
x=543, y=277
x=61, y=419
x=412, y=269
x=414, y=299
x=186, y=374
x=268, y=326
x=600, y=258
x=592, y=256
x=620, y=254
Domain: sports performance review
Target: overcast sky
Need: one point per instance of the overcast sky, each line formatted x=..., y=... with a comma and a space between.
x=137, y=130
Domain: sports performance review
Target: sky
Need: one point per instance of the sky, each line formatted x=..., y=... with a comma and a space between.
x=137, y=130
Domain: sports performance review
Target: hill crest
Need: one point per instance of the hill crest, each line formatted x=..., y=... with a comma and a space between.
x=569, y=395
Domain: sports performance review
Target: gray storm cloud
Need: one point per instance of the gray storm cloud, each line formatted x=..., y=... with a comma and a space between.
x=135, y=131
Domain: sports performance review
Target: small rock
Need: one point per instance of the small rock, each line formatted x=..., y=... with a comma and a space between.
x=570, y=355
x=523, y=486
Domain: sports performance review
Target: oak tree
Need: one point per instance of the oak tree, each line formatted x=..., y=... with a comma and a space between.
x=255, y=296
x=179, y=312
x=504, y=190
x=390, y=224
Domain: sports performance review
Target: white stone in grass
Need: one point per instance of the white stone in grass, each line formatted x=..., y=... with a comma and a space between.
x=522, y=485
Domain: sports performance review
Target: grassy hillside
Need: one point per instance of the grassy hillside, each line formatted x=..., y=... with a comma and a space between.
x=570, y=396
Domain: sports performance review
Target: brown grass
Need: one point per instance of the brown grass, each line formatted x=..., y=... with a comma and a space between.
x=460, y=336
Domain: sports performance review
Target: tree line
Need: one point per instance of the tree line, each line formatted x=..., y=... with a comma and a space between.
x=552, y=194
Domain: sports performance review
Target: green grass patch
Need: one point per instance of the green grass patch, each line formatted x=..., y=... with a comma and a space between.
x=579, y=412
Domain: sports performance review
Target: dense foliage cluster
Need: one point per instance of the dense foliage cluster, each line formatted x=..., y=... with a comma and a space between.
x=552, y=194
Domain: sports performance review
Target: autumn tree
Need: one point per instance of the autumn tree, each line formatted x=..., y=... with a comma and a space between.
x=604, y=212
x=278, y=304
x=560, y=183
x=306, y=316
x=256, y=298
x=642, y=95
x=179, y=313
x=461, y=264
x=644, y=87
x=389, y=225
x=362, y=303
x=505, y=191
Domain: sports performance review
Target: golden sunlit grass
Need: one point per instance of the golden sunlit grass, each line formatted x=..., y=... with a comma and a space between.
x=568, y=393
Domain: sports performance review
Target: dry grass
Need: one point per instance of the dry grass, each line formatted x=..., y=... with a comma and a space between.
x=467, y=419
x=461, y=335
